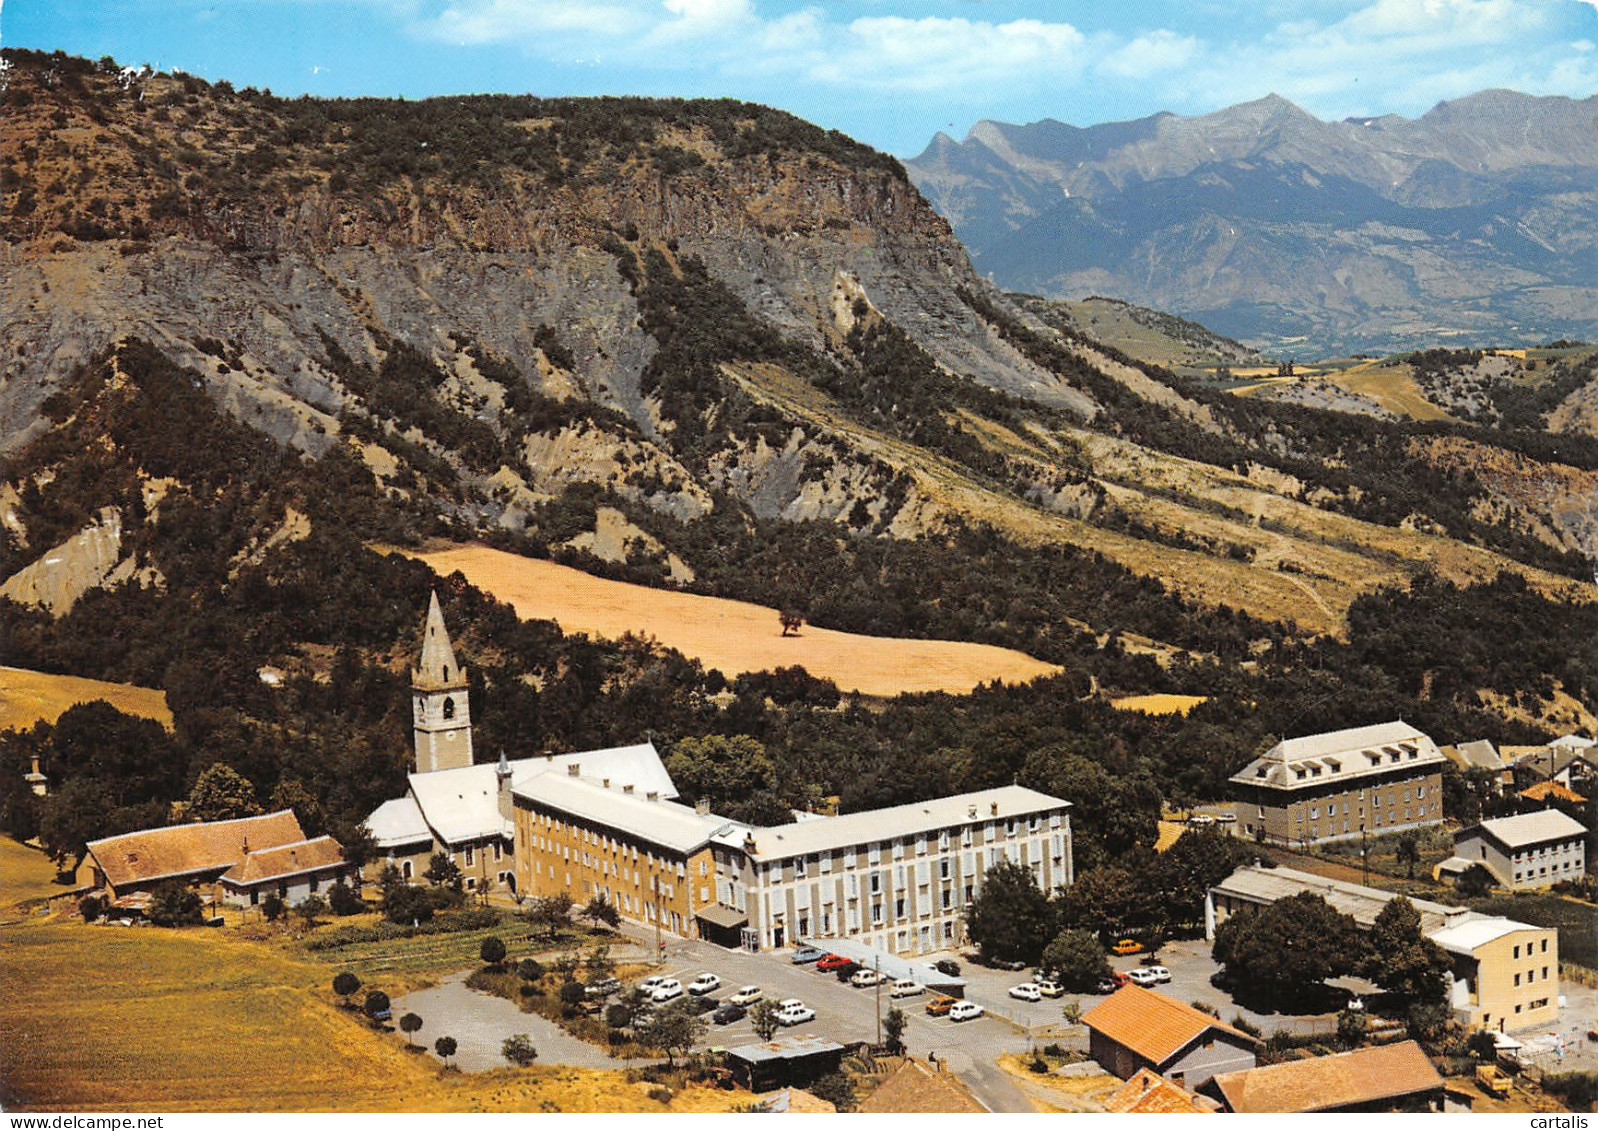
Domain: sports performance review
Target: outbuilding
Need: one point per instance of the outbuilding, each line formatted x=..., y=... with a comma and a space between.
x=1135, y=1028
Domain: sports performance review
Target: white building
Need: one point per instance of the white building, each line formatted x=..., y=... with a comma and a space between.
x=1530, y=850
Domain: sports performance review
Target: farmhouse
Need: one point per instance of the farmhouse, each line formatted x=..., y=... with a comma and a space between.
x=1324, y=787
x=1396, y=1077
x=1531, y=850
x=1135, y=1029
x=242, y=860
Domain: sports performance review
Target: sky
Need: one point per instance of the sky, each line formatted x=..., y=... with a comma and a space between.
x=889, y=72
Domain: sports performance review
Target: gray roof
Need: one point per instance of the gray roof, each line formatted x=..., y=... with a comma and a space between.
x=438, y=668
x=1267, y=885
x=462, y=804
x=784, y=1048
x=1477, y=755
x=398, y=822
x=825, y=834
x=1527, y=829
x=1340, y=755
x=1464, y=936
x=666, y=823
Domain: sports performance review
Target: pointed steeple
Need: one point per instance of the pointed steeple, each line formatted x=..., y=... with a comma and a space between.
x=438, y=667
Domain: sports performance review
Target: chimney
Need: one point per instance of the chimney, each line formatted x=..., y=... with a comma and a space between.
x=573, y=769
x=994, y=809
x=749, y=843
x=971, y=811
x=702, y=806
x=549, y=755
x=605, y=782
x=651, y=796
x=628, y=788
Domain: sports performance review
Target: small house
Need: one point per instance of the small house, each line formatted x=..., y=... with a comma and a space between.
x=1134, y=1028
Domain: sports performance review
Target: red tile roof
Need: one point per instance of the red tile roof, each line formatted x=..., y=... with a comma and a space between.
x=1326, y=1083
x=1152, y=1025
x=915, y=1088
x=286, y=860
x=183, y=850
x=1546, y=789
x=1149, y=1093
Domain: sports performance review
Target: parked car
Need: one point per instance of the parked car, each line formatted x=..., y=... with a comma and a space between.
x=1007, y=964
x=1026, y=991
x=669, y=988
x=807, y=954
x=1109, y=985
x=747, y=995
x=727, y=1013
x=1127, y=946
x=947, y=966
x=1161, y=974
x=939, y=1006
x=860, y=979
x=965, y=1011
x=906, y=987
x=1049, y=988
x=831, y=962
x=650, y=984
x=704, y=984
x=703, y=1004
x=844, y=973
x=795, y=1015
x=1143, y=976
x=604, y=987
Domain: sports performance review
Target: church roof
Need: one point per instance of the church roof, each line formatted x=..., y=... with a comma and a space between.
x=462, y=804
x=398, y=822
x=286, y=860
x=438, y=668
x=185, y=850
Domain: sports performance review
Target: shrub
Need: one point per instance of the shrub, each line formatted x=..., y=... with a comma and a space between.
x=492, y=951
x=273, y=907
x=343, y=900
x=91, y=907
x=618, y=1016
x=519, y=1050
x=530, y=969
x=376, y=1002
x=660, y=1095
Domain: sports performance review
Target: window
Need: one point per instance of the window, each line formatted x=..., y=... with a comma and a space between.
x=449, y=707
x=471, y=855
x=799, y=868
x=898, y=908
x=1517, y=952
x=876, y=882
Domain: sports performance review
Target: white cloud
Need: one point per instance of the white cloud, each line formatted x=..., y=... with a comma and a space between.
x=1151, y=56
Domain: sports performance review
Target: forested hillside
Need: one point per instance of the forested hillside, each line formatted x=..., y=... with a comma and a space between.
x=267, y=335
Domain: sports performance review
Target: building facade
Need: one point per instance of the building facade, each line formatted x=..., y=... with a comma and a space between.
x=1506, y=974
x=1375, y=779
x=441, y=709
x=1531, y=850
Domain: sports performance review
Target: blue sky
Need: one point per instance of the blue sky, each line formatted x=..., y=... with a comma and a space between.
x=890, y=72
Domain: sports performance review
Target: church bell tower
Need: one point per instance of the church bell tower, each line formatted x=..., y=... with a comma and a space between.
x=443, y=717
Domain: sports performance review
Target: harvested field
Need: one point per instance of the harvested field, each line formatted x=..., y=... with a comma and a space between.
x=119, y=1019
x=732, y=636
x=28, y=697
x=25, y=874
x=1159, y=704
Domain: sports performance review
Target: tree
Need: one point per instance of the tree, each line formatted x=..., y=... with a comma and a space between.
x=792, y=621
x=73, y=814
x=346, y=985
x=836, y=1089
x=406, y=905
x=763, y=1017
x=893, y=1026
x=1403, y=961
x=293, y=794
x=571, y=996
x=91, y=907
x=492, y=952
x=1185, y=872
x=445, y=1048
x=221, y=793
x=600, y=911
x=376, y=1004
x=1408, y=852
x=1010, y=918
x=343, y=900
x=174, y=904
x=674, y=1030
x=273, y=907
x=1072, y=1012
x=443, y=872
x=519, y=1050
x=722, y=769
x=1283, y=951
x=1351, y=1024
x=1075, y=958
x=598, y=964
x=309, y=908
x=1476, y=882
x=1113, y=901
x=409, y=1024
x=551, y=912
x=530, y=969
x=617, y=1015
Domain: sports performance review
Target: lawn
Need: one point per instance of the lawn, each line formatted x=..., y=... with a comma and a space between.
x=28, y=697
x=109, y=1018
x=26, y=874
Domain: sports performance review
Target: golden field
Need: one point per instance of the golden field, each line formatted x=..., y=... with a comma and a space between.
x=732, y=636
x=145, y=1019
x=1159, y=704
x=28, y=697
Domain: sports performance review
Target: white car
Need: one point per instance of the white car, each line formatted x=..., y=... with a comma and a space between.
x=790, y=1003
x=747, y=995
x=795, y=1015
x=1143, y=976
x=905, y=987
x=668, y=989
x=1161, y=974
x=1026, y=991
x=863, y=978
x=1048, y=988
x=964, y=1011
x=650, y=984
x=704, y=984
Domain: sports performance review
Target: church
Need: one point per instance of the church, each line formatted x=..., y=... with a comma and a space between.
x=465, y=809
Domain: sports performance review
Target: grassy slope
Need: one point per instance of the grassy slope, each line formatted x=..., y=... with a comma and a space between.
x=27, y=697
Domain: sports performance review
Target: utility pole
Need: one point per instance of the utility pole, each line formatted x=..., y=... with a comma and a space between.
x=660, y=947
x=877, y=966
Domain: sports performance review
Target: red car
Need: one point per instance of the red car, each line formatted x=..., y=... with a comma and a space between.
x=832, y=962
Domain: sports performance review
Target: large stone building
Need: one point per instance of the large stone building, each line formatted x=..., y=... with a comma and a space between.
x=607, y=822
x=1505, y=973
x=1379, y=779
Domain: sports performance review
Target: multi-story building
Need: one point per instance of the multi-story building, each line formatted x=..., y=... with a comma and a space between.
x=1375, y=779
x=1531, y=850
x=898, y=879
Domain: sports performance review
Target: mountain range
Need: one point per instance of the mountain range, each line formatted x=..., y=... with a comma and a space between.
x=1474, y=224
